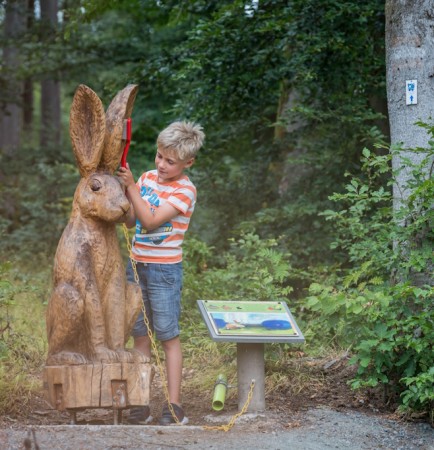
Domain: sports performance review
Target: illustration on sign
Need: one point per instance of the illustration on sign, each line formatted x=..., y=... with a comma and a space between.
x=249, y=318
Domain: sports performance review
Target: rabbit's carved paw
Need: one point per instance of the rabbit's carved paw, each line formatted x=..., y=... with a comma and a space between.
x=139, y=357
x=104, y=354
x=125, y=356
x=66, y=358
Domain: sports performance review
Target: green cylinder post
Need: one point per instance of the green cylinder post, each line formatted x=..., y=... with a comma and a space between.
x=218, y=401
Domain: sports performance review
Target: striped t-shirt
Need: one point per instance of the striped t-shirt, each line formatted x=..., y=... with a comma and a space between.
x=163, y=245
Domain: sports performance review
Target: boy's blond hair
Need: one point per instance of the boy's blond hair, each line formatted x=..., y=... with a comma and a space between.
x=184, y=138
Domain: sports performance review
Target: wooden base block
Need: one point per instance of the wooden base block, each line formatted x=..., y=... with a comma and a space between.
x=99, y=385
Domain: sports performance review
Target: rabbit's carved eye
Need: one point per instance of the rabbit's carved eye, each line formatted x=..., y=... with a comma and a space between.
x=95, y=185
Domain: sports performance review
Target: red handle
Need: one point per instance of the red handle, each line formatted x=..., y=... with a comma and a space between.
x=127, y=143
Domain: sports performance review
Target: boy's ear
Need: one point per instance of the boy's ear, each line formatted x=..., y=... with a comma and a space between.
x=189, y=163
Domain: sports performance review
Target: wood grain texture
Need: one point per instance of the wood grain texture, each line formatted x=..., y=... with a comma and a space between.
x=87, y=129
x=92, y=308
x=99, y=385
x=120, y=109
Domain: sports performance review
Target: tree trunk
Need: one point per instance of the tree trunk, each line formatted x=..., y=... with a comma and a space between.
x=10, y=108
x=28, y=97
x=50, y=85
x=409, y=56
x=290, y=172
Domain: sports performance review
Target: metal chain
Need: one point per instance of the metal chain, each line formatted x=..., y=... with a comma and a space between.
x=150, y=334
x=231, y=423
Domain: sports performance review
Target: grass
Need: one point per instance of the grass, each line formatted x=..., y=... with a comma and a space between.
x=23, y=338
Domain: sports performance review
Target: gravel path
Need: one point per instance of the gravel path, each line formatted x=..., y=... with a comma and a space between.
x=315, y=429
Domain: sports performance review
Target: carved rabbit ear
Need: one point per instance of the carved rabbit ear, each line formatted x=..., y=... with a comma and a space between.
x=120, y=109
x=87, y=129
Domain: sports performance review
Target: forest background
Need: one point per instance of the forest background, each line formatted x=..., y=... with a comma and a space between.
x=295, y=198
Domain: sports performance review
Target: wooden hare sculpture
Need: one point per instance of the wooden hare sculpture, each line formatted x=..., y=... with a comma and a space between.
x=92, y=308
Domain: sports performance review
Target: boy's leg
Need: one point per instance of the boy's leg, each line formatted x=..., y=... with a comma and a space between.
x=164, y=293
x=173, y=352
x=143, y=345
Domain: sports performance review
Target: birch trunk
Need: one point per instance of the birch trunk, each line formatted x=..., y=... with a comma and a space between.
x=409, y=56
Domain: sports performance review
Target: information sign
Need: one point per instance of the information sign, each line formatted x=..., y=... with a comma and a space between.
x=250, y=321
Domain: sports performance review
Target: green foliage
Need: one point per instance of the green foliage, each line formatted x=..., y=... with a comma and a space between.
x=380, y=301
x=399, y=343
x=36, y=200
x=367, y=214
x=419, y=391
x=234, y=59
x=22, y=327
x=6, y=298
x=340, y=313
x=252, y=269
x=21, y=348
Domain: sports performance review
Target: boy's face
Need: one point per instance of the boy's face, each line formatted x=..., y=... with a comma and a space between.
x=168, y=166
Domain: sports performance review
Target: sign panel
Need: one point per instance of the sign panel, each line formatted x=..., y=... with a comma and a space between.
x=244, y=321
x=411, y=92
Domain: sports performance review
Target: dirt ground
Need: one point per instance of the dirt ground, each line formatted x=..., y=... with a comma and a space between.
x=309, y=383
x=319, y=397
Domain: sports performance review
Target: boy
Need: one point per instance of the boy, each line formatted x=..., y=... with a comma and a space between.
x=162, y=203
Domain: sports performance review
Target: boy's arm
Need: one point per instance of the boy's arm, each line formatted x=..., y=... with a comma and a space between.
x=140, y=208
x=150, y=220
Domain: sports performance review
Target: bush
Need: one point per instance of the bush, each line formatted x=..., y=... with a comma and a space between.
x=381, y=299
x=253, y=269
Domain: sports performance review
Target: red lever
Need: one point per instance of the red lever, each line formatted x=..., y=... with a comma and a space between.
x=127, y=137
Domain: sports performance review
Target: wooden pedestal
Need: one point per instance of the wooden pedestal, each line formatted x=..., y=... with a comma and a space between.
x=99, y=385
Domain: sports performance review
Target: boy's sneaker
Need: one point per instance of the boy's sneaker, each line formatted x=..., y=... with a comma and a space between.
x=141, y=415
x=168, y=419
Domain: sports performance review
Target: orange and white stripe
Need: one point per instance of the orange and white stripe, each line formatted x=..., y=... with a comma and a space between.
x=163, y=245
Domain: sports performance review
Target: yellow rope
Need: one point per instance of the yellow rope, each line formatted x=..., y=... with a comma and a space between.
x=231, y=423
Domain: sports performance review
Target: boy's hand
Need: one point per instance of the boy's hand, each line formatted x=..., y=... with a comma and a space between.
x=125, y=175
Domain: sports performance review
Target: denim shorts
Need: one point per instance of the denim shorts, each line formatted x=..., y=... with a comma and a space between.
x=161, y=286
